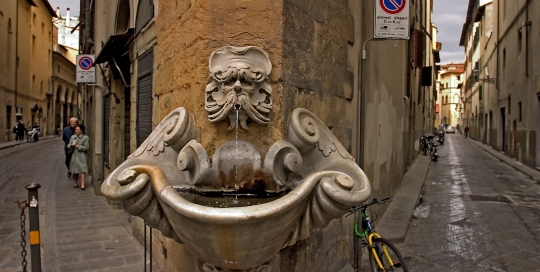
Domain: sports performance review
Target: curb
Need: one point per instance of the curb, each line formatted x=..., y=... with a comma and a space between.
x=527, y=170
x=395, y=221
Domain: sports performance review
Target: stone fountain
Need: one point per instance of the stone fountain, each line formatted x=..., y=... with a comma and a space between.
x=300, y=185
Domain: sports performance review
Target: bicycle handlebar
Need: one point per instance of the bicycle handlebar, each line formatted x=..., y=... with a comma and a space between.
x=362, y=207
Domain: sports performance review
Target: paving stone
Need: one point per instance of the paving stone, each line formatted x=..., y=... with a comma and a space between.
x=79, y=230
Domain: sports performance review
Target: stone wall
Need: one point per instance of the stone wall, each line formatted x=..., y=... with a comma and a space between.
x=188, y=33
x=316, y=36
x=307, y=42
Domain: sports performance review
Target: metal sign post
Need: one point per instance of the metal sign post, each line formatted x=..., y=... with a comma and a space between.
x=35, y=245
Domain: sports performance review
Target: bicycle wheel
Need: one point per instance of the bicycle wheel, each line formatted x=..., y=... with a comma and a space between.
x=397, y=262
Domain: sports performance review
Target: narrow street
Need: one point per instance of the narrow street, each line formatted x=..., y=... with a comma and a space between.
x=79, y=231
x=477, y=214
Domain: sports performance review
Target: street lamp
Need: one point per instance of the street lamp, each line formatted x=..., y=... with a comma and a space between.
x=488, y=79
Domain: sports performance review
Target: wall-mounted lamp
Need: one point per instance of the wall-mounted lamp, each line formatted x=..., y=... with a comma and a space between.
x=488, y=79
x=526, y=24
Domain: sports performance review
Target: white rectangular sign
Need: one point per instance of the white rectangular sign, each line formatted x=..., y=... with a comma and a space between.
x=85, y=71
x=391, y=19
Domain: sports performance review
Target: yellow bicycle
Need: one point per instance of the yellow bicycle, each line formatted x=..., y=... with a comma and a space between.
x=383, y=255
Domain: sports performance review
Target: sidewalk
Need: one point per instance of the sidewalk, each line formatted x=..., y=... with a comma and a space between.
x=395, y=221
x=4, y=145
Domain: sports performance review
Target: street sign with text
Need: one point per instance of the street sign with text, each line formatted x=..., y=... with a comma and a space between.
x=85, y=72
x=391, y=19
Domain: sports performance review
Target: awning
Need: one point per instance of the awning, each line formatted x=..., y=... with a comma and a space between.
x=479, y=13
x=114, y=47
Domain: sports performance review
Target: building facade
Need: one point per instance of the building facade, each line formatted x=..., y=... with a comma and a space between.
x=501, y=93
x=26, y=30
x=152, y=57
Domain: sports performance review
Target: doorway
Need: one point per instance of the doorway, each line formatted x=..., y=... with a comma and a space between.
x=502, y=131
x=538, y=132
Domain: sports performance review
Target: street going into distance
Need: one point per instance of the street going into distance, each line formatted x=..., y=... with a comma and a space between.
x=79, y=231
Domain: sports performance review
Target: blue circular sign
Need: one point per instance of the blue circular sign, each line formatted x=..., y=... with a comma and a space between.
x=85, y=63
x=392, y=6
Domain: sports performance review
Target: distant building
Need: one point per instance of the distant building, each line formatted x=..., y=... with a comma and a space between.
x=68, y=33
x=67, y=100
x=450, y=77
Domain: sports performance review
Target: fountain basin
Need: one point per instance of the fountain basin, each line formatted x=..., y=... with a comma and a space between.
x=321, y=179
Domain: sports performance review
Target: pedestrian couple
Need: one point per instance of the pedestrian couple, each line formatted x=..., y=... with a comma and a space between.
x=76, y=145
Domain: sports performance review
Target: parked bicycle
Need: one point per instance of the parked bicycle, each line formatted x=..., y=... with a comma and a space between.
x=427, y=144
x=383, y=255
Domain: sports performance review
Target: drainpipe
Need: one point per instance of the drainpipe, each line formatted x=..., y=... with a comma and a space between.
x=16, y=54
x=98, y=143
x=362, y=106
x=526, y=38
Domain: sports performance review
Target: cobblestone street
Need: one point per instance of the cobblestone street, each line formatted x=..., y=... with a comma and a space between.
x=79, y=230
x=480, y=214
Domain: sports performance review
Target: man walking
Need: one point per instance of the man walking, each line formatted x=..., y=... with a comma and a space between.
x=66, y=135
x=21, y=130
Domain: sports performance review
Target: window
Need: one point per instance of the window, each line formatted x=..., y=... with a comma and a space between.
x=144, y=95
x=145, y=13
x=480, y=92
x=33, y=44
x=504, y=58
x=418, y=45
x=42, y=28
x=9, y=41
x=519, y=113
x=509, y=104
x=519, y=39
x=34, y=19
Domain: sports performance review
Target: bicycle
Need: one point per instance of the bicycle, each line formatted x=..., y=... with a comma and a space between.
x=383, y=255
x=426, y=144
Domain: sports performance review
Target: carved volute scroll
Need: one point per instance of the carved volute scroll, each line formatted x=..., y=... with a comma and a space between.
x=238, y=82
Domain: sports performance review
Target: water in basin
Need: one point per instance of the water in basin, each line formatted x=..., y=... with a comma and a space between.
x=229, y=199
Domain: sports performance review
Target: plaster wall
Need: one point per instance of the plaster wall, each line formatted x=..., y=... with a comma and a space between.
x=7, y=75
x=516, y=86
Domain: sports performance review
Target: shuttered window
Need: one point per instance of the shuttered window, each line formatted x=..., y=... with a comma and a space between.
x=418, y=47
x=127, y=121
x=144, y=95
x=106, y=130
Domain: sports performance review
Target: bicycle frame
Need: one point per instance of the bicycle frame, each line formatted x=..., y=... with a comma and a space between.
x=369, y=231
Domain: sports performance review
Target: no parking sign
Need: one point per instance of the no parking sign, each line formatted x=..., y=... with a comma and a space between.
x=391, y=19
x=86, y=72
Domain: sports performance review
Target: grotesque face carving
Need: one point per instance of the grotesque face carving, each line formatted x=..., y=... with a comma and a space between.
x=238, y=87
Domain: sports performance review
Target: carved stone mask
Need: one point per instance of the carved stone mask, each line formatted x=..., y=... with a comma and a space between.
x=238, y=87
